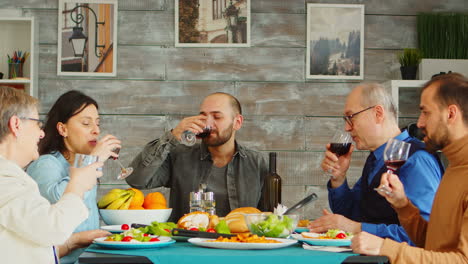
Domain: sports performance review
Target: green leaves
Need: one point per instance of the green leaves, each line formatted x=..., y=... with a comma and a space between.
x=410, y=57
x=443, y=35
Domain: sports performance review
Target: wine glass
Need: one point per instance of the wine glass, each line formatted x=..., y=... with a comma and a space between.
x=395, y=155
x=340, y=145
x=189, y=138
x=124, y=171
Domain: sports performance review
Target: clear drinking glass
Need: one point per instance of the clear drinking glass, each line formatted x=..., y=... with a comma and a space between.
x=124, y=171
x=83, y=160
x=340, y=145
x=395, y=155
x=189, y=138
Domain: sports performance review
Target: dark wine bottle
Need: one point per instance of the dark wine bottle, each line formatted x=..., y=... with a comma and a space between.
x=272, y=186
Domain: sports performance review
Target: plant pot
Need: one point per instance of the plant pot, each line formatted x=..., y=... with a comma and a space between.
x=408, y=72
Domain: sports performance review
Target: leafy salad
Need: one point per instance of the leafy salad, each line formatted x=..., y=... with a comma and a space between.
x=273, y=226
x=148, y=233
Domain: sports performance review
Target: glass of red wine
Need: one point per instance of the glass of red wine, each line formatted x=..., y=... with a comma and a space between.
x=189, y=138
x=395, y=155
x=124, y=171
x=340, y=145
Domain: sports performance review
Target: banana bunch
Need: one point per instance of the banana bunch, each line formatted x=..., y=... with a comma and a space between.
x=116, y=199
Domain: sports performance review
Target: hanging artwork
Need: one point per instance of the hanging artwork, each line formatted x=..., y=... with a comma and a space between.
x=212, y=23
x=335, y=41
x=87, y=38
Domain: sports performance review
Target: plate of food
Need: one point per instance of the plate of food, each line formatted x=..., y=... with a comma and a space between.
x=115, y=228
x=334, y=237
x=247, y=241
x=154, y=242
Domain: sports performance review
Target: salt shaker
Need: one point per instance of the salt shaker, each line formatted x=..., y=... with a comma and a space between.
x=195, y=202
x=209, y=204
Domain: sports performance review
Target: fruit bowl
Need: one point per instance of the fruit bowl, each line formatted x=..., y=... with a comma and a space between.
x=118, y=217
x=271, y=225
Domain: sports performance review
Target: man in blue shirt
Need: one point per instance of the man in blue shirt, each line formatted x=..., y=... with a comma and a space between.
x=371, y=119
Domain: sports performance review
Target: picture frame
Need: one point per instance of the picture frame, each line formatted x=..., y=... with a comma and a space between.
x=87, y=38
x=212, y=23
x=335, y=41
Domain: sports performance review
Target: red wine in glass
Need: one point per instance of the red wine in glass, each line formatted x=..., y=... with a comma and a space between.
x=394, y=165
x=206, y=132
x=340, y=148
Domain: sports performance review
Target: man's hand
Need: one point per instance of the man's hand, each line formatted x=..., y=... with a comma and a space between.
x=192, y=123
x=336, y=166
x=334, y=221
x=365, y=243
x=395, y=193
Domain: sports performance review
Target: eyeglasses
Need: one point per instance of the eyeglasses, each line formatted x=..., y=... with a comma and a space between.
x=348, y=118
x=40, y=122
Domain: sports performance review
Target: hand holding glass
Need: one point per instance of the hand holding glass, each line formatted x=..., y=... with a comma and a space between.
x=395, y=155
x=189, y=138
x=83, y=160
x=340, y=145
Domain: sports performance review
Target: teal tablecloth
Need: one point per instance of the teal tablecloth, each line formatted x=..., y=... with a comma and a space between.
x=184, y=252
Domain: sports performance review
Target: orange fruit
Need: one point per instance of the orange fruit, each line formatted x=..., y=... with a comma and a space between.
x=137, y=199
x=138, y=207
x=155, y=200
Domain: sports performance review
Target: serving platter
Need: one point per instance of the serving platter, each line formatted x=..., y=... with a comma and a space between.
x=203, y=242
x=164, y=242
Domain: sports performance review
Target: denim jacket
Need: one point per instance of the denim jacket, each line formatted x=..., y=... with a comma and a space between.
x=166, y=162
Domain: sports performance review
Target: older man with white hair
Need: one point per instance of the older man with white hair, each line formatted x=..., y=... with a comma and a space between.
x=371, y=119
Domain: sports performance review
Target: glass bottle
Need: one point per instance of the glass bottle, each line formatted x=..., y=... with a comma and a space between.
x=272, y=186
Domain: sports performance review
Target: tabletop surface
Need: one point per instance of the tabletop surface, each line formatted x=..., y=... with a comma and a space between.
x=184, y=252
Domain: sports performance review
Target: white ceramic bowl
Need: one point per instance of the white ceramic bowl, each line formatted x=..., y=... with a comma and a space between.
x=118, y=217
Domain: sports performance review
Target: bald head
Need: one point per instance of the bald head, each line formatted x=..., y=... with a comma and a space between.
x=233, y=102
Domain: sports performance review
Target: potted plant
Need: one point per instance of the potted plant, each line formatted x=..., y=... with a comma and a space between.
x=409, y=61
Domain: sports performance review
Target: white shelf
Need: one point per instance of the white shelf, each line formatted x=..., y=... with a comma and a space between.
x=19, y=33
x=395, y=85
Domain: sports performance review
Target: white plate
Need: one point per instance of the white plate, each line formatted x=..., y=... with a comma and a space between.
x=113, y=228
x=236, y=245
x=164, y=242
x=322, y=241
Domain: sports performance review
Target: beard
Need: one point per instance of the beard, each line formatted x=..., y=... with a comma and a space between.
x=221, y=137
x=437, y=141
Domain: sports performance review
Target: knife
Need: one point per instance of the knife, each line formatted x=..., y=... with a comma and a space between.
x=192, y=233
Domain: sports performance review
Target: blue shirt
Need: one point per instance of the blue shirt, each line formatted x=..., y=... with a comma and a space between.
x=420, y=175
x=51, y=172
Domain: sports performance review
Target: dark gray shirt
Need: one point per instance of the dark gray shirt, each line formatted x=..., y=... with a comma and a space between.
x=166, y=162
x=217, y=183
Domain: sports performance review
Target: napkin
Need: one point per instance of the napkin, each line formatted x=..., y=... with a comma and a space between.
x=326, y=248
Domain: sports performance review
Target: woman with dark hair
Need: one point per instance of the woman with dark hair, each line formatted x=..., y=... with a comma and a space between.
x=72, y=127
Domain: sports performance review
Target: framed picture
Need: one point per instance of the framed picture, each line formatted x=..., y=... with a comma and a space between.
x=212, y=23
x=87, y=38
x=335, y=41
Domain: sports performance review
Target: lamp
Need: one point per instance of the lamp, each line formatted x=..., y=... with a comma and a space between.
x=78, y=39
x=232, y=14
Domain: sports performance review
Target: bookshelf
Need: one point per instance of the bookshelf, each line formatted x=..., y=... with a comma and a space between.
x=19, y=33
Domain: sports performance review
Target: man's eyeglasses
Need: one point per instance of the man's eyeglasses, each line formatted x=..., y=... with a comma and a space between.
x=40, y=122
x=349, y=118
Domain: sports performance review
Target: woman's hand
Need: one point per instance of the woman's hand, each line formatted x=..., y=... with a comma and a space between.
x=105, y=147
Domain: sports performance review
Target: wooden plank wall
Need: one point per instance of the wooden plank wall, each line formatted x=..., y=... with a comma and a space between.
x=158, y=83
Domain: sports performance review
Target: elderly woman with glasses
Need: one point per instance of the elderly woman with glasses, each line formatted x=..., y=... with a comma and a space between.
x=371, y=119
x=29, y=223
x=72, y=127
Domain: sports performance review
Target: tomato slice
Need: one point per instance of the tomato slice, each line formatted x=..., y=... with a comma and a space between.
x=127, y=239
x=193, y=229
x=125, y=227
x=154, y=239
x=341, y=235
x=211, y=230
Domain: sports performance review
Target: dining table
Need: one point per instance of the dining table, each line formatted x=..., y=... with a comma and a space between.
x=185, y=252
